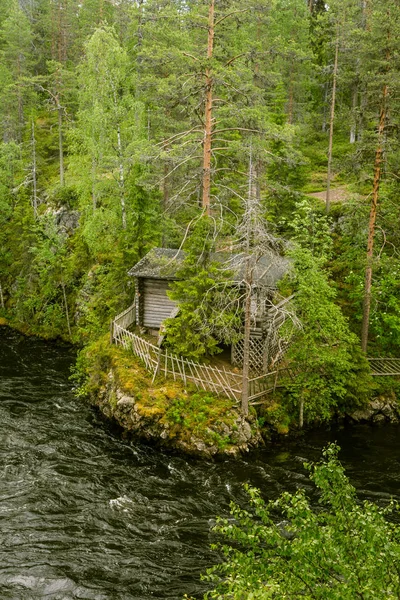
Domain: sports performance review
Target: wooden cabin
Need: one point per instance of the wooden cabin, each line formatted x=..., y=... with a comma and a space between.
x=158, y=269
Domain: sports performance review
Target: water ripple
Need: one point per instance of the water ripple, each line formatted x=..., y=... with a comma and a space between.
x=86, y=515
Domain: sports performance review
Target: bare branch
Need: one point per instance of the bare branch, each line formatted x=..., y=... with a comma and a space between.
x=230, y=61
x=234, y=12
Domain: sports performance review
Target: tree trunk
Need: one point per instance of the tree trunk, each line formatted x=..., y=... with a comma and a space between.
x=301, y=413
x=1, y=298
x=165, y=201
x=372, y=220
x=353, y=127
x=208, y=121
x=34, y=173
x=333, y=102
x=246, y=343
x=60, y=142
x=121, y=177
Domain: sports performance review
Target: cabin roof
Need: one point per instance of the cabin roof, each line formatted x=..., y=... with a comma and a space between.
x=164, y=263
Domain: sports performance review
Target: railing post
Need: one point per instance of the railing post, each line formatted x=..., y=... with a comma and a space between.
x=112, y=331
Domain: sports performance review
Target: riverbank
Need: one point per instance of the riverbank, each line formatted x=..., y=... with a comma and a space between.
x=164, y=412
x=167, y=414
x=82, y=501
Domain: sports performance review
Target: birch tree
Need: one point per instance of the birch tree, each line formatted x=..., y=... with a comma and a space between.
x=106, y=118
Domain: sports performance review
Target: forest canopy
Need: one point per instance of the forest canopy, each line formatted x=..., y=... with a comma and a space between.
x=123, y=122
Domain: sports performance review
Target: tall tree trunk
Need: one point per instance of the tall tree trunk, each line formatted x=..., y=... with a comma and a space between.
x=332, y=119
x=34, y=171
x=372, y=219
x=1, y=298
x=301, y=413
x=246, y=341
x=60, y=142
x=121, y=177
x=252, y=195
x=165, y=200
x=66, y=308
x=208, y=121
x=353, y=126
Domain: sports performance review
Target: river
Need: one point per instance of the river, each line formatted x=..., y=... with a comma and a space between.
x=87, y=515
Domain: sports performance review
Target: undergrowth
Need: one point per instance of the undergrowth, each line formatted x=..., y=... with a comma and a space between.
x=183, y=410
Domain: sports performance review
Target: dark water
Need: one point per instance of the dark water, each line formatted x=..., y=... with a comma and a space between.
x=86, y=515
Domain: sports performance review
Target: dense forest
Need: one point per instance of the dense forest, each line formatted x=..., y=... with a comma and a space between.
x=127, y=125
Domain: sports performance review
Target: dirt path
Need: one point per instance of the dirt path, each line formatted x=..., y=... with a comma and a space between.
x=339, y=194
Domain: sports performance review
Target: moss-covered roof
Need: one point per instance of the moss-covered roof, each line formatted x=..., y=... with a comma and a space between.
x=164, y=263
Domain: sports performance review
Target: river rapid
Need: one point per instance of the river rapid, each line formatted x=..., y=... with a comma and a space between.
x=85, y=514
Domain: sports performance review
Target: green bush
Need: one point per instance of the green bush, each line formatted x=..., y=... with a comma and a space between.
x=284, y=549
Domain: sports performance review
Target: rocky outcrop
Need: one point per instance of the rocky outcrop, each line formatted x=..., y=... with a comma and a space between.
x=379, y=410
x=67, y=220
x=229, y=437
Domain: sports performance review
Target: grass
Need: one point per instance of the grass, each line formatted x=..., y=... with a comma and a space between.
x=185, y=411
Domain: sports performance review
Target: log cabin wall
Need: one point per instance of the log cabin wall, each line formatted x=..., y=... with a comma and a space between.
x=156, y=304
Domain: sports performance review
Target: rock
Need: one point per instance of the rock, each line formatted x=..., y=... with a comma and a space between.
x=238, y=437
x=362, y=415
x=377, y=404
x=378, y=419
x=126, y=401
x=224, y=430
x=68, y=220
x=235, y=434
x=388, y=411
x=247, y=431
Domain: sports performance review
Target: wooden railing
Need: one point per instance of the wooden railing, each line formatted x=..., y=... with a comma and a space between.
x=384, y=366
x=126, y=318
x=206, y=377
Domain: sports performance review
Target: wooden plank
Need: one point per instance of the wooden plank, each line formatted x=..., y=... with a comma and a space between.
x=195, y=365
x=184, y=371
x=151, y=302
x=172, y=364
x=191, y=376
x=155, y=313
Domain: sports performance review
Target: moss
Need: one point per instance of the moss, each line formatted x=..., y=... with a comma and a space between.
x=3, y=321
x=186, y=412
x=276, y=417
x=113, y=400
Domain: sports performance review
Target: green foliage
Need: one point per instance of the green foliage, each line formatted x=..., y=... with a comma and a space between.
x=331, y=372
x=310, y=228
x=349, y=270
x=200, y=292
x=284, y=549
x=187, y=413
x=120, y=88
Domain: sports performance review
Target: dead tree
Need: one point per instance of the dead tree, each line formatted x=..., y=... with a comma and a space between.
x=332, y=119
x=254, y=241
